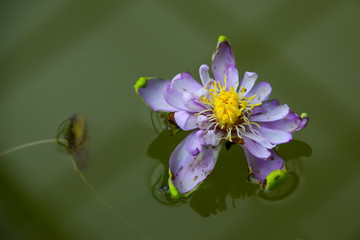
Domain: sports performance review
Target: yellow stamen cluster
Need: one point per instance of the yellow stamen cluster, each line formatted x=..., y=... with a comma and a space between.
x=230, y=110
x=226, y=107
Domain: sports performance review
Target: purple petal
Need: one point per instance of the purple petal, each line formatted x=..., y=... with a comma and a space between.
x=266, y=106
x=204, y=75
x=153, y=95
x=262, y=91
x=184, y=82
x=232, y=79
x=291, y=123
x=222, y=58
x=257, y=149
x=174, y=98
x=188, y=171
x=213, y=137
x=183, y=92
x=202, y=122
x=195, y=142
x=259, y=139
x=274, y=136
x=191, y=103
x=260, y=168
x=182, y=101
x=185, y=120
x=202, y=92
x=269, y=111
x=248, y=81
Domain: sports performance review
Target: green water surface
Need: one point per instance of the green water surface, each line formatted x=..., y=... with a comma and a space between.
x=63, y=57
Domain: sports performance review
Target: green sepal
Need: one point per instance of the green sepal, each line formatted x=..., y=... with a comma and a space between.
x=174, y=130
x=276, y=178
x=141, y=83
x=166, y=114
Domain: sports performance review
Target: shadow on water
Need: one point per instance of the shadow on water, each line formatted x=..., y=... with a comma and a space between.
x=229, y=177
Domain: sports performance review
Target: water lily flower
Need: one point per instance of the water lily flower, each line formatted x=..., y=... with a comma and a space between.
x=221, y=109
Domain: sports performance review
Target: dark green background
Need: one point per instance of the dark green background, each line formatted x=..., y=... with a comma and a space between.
x=62, y=57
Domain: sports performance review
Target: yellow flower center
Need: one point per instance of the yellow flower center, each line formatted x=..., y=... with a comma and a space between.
x=226, y=108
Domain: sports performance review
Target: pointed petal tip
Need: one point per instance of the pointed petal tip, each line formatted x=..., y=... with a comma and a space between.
x=275, y=178
x=221, y=58
x=221, y=39
x=304, y=121
x=140, y=83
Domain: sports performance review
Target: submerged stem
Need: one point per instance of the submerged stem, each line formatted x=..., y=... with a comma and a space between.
x=26, y=145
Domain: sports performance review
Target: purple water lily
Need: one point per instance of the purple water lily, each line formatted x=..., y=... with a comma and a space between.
x=221, y=109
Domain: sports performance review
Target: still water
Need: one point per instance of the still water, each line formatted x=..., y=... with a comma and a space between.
x=63, y=57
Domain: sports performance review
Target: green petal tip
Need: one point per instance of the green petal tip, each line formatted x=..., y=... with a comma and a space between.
x=173, y=190
x=221, y=39
x=276, y=178
x=304, y=115
x=140, y=83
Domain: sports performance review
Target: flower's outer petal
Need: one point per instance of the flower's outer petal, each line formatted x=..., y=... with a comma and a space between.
x=188, y=171
x=185, y=120
x=291, y=123
x=204, y=75
x=257, y=149
x=270, y=111
x=259, y=139
x=262, y=91
x=184, y=82
x=248, y=81
x=274, y=136
x=270, y=172
x=222, y=58
x=266, y=106
x=195, y=143
x=151, y=90
x=191, y=103
x=232, y=79
x=182, y=101
x=174, y=98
